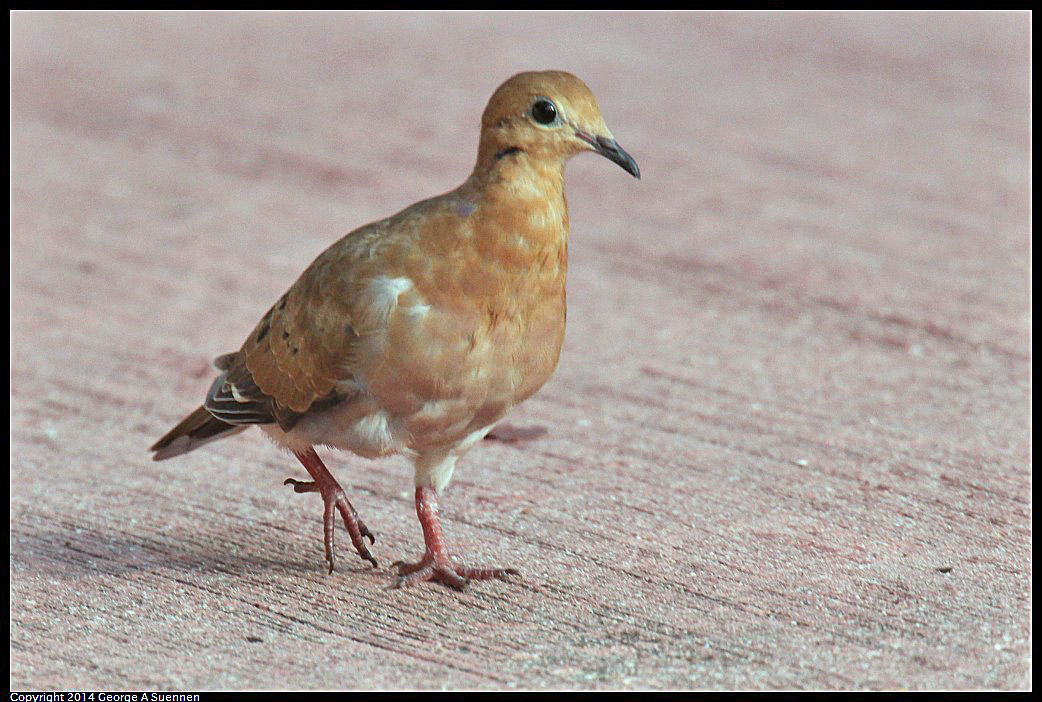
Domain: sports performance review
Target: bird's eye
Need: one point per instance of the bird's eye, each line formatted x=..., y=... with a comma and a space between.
x=544, y=111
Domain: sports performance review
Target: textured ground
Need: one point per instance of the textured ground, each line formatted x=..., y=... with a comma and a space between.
x=789, y=442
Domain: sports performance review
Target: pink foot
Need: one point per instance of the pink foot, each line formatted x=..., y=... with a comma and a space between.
x=335, y=500
x=435, y=565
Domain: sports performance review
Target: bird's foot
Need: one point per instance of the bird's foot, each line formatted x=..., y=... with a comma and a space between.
x=308, y=486
x=435, y=565
x=335, y=500
x=432, y=568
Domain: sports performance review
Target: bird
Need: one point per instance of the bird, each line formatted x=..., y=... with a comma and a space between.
x=415, y=334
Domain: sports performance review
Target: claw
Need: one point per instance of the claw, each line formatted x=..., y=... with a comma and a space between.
x=301, y=486
x=456, y=577
x=429, y=570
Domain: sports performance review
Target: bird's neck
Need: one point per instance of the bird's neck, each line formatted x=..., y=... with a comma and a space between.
x=523, y=197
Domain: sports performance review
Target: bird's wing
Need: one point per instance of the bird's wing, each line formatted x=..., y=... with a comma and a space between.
x=310, y=349
x=294, y=361
x=301, y=351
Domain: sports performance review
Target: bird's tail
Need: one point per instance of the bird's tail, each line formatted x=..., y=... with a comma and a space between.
x=198, y=428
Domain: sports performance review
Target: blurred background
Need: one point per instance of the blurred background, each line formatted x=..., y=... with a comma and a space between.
x=788, y=445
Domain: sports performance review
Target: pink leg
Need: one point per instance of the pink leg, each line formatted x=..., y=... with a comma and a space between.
x=335, y=499
x=435, y=564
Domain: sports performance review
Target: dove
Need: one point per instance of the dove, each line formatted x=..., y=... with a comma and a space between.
x=414, y=335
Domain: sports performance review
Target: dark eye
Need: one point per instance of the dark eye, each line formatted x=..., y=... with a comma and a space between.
x=543, y=111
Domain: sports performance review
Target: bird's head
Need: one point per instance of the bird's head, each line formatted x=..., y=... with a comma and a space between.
x=548, y=115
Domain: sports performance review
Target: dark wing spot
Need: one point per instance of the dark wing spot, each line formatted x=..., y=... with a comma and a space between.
x=282, y=302
x=264, y=329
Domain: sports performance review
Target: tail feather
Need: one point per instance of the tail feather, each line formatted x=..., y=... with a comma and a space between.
x=198, y=428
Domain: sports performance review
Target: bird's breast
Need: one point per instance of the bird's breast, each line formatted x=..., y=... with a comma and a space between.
x=468, y=342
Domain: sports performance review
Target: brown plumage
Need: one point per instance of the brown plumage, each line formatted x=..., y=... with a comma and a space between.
x=417, y=333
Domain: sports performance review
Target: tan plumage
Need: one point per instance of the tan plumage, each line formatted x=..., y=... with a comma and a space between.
x=417, y=333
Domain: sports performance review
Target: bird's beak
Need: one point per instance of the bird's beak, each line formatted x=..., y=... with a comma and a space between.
x=610, y=149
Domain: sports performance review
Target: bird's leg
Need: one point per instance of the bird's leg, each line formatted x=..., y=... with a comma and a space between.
x=335, y=499
x=435, y=564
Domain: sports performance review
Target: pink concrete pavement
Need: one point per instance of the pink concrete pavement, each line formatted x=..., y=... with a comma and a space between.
x=789, y=443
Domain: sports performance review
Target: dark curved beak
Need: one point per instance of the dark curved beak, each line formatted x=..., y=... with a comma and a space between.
x=610, y=149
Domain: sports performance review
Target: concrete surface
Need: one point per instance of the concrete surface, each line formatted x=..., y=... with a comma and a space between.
x=789, y=444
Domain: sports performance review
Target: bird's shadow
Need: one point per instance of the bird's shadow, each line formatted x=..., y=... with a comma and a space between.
x=72, y=546
x=78, y=550
x=510, y=434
